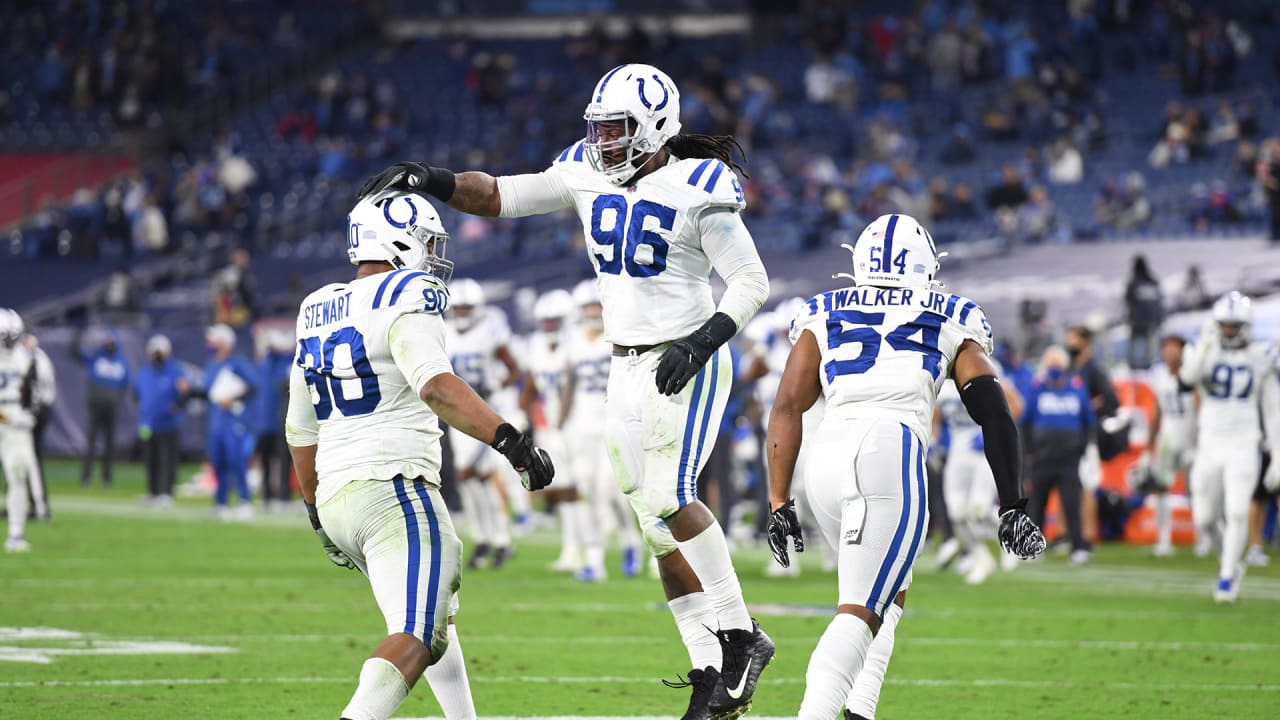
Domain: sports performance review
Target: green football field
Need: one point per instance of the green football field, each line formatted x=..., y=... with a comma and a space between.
x=122, y=611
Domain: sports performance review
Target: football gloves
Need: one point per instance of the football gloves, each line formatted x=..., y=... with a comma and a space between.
x=413, y=177
x=784, y=524
x=336, y=556
x=680, y=362
x=531, y=462
x=1018, y=533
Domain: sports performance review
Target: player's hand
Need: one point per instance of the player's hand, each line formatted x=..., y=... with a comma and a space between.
x=784, y=524
x=401, y=176
x=336, y=556
x=680, y=362
x=531, y=462
x=1019, y=535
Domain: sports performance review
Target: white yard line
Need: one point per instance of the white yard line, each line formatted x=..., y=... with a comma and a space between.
x=615, y=680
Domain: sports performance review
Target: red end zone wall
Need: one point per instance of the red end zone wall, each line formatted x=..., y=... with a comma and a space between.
x=28, y=180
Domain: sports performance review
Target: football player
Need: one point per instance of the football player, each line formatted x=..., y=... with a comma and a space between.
x=17, y=419
x=589, y=358
x=1239, y=411
x=660, y=210
x=1173, y=435
x=477, y=342
x=543, y=398
x=371, y=381
x=879, y=352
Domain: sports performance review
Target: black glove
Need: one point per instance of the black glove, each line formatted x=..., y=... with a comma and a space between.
x=783, y=523
x=336, y=556
x=531, y=462
x=1018, y=533
x=415, y=177
x=680, y=362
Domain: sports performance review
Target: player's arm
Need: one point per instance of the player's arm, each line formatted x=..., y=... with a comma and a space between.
x=474, y=192
x=302, y=434
x=798, y=390
x=417, y=346
x=528, y=393
x=728, y=245
x=1269, y=400
x=984, y=399
x=503, y=353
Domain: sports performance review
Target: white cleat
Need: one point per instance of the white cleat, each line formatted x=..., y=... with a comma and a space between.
x=244, y=511
x=221, y=512
x=1162, y=550
x=1256, y=557
x=17, y=545
x=1080, y=557
x=982, y=566
x=1228, y=589
x=947, y=553
x=566, y=563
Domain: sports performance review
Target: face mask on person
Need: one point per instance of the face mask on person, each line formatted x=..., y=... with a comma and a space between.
x=1055, y=375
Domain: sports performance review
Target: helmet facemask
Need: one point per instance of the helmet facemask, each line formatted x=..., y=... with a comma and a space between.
x=433, y=261
x=612, y=147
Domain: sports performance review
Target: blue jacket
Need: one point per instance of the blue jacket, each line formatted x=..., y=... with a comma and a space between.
x=236, y=418
x=107, y=370
x=159, y=401
x=1058, y=422
x=268, y=406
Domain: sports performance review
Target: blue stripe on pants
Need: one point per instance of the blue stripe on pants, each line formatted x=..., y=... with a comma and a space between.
x=873, y=601
x=714, y=362
x=415, y=554
x=690, y=421
x=917, y=535
x=433, y=582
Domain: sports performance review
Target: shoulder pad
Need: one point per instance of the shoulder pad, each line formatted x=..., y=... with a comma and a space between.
x=814, y=308
x=575, y=153
x=716, y=180
x=410, y=291
x=972, y=321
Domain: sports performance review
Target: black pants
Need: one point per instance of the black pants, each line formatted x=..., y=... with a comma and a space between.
x=102, y=422
x=276, y=467
x=160, y=455
x=42, y=424
x=938, y=501
x=1066, y=479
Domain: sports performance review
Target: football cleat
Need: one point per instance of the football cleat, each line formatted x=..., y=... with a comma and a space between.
x=948, y=551
x=1162, y=550
x=704, y=683
x=502, y=555
x=746, y=653
x=1256, y=557
x=479, y=556
x=1080, y=557
x=982, y=566
x=1228, y=589
x=590, y=574
x=17, y=544
x=630, y=562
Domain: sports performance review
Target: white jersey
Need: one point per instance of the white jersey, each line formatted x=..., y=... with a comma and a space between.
x=1236, y=391
x=886, y=352
x=365, y=349
x=549, y=365
x=1177, y=404
x=473, y=353
x=16, y=370
x=646, y=242
x=589, y=360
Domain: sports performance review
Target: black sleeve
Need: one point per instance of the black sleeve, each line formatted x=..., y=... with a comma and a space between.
x=984, y=399
x=1100, y=386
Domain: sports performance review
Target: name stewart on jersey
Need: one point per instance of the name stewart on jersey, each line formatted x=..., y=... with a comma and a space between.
x=326, y=312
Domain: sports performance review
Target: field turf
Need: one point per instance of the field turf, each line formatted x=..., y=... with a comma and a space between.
x=123, y=611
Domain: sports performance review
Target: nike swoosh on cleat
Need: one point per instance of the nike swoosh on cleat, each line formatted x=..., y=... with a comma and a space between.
x=736, y=693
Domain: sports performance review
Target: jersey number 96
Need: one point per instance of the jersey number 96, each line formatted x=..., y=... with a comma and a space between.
x=316, y=359
x=627, y=236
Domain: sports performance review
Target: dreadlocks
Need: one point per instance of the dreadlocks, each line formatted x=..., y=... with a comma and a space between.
x=719, y=147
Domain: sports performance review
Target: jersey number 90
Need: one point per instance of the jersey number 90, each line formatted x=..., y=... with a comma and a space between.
x=316, y=359
x=627, y=235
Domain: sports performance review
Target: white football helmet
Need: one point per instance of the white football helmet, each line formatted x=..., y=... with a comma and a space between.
x=11, y=328
x=1233, y=313
x=398, y=228
x=466, y=302
x=894, y=251
x=635, y=108
x=552, y=309
x=586, y=295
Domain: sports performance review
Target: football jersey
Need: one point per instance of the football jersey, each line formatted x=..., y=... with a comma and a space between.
x=16, y=365
x=644, y=243
x=372, y=423
x=1177, y=409
x=589, y=360
x=1230, y=382
x=965, y=434
x=473, y=352
x=886, y=352
x=549, y=365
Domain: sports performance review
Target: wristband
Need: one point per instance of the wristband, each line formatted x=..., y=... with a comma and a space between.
x=314, y=515
x=441, y=182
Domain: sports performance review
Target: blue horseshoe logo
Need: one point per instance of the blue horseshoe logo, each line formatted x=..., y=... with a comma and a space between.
x=666, y=94
x=413, y=217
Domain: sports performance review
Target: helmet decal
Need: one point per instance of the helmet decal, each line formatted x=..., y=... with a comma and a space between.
x=666, y=94
x=605, y=81
x=413, y=217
